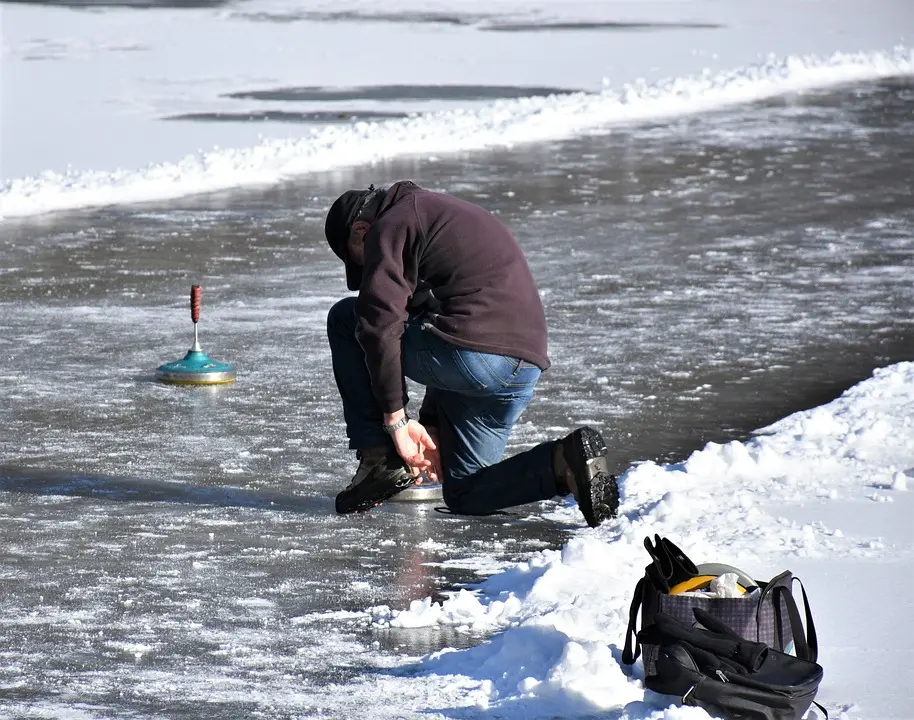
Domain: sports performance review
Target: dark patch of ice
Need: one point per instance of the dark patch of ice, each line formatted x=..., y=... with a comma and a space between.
x=427, y=17
x=323, y=116
x=400, y=92
x=585, y=25
x=139, y=4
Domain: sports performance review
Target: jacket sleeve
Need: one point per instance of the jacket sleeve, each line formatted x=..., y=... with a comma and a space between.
x=388, y=282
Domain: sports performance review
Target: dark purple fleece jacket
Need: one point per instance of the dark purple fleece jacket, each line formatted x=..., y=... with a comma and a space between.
x=483, y=294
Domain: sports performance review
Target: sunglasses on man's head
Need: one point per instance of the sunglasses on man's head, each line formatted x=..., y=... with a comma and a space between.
x=360, y=208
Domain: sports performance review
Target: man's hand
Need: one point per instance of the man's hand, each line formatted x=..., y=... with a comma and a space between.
x=413, y=443
x=433, y=455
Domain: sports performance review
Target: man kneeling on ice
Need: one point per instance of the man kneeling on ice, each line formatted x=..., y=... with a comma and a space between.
x=446, y=298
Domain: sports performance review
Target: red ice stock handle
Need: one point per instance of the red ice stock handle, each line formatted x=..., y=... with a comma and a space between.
x=196, y=301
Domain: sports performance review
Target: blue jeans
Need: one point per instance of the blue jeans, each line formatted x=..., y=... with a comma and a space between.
x=473, y=398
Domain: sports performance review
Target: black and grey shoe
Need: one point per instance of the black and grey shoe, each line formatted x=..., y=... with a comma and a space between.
x=585, y=471
x=381, y=475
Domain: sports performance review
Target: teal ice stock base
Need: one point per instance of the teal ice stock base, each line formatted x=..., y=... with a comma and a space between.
x=196, y=368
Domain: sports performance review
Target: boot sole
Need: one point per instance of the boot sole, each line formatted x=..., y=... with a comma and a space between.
x=598, y=491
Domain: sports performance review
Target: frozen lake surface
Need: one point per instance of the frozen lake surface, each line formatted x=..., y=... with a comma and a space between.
x=714, y=253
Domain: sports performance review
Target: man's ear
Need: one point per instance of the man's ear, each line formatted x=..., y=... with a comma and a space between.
x=360, y=228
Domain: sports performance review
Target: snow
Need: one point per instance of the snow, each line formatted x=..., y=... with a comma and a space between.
x=823, y=492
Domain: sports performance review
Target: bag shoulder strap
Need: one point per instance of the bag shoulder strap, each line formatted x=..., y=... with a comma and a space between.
x=632, y=648
x=806, y=643
x=776, y=581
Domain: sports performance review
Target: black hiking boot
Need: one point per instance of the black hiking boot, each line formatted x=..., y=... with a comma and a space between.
x=581, y=468
x=381, y=475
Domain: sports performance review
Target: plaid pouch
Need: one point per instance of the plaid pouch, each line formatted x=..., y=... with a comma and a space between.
x=767, y=615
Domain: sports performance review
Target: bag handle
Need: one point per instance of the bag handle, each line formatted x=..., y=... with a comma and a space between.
x=806, y=643
x=631, y=651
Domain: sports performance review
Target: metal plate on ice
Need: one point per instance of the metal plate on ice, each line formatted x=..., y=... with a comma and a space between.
x=426, y=492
